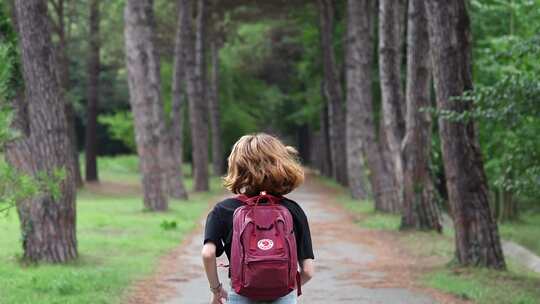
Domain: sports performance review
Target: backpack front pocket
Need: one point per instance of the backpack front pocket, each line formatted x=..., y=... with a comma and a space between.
x=266, y=274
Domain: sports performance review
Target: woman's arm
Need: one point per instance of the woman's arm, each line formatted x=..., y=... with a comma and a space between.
x=308, y=270
x=210, y=267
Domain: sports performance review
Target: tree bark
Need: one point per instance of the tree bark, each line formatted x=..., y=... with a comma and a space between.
x=390, y=42
x=359, y=58
x=324, y=141
x=47, y=220
x=201, y=66
x=420, y=209
x=93, y=93
x=477, y=236
x=145, y=100
x=391, y=203
x=508, y=209
x=382, y=182
x=215, y=120
x=304, y=138
x=333, y=94
x=64, y=80
x=197, y=103
x=176, y=187
x=172, y=158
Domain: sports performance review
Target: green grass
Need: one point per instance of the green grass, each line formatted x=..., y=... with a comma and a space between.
x=125, y=168
x=515, y=286
x=118, y=243
x=525, y=232
x=367, y=216
x=485, y=286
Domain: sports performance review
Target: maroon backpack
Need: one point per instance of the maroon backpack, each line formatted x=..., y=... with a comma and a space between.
x=264, y=265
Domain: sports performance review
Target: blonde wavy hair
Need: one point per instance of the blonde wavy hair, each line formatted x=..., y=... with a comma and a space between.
x=261, y=162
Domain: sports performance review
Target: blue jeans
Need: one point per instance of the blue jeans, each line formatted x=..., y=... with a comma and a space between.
x=235, y=298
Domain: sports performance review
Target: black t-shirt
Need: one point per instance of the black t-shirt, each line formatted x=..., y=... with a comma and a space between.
x=219, y=226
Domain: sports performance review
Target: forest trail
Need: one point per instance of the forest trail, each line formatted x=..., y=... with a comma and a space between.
x=353, y=265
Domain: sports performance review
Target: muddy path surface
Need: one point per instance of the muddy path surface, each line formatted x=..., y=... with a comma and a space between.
x=353, y=265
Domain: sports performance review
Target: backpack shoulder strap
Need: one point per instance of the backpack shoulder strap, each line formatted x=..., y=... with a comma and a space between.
x=254, y=200
x=243, y=198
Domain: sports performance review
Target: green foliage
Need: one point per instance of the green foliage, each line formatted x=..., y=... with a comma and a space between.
x=496, y=18
x=6, y=72
x=248, y=47
x=6, y=132
x=168, y=225
x=308, y=69
x=49, y=182
x=246, y=101
x=10, y=179
x=506, y=106
x=507, y=111
x=271, y=77
x=510, y=113
x=507, y=62
x=120, y=127
x=15, y=186
x=10, y=76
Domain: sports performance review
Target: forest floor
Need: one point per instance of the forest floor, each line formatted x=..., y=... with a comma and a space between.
x=354, y=264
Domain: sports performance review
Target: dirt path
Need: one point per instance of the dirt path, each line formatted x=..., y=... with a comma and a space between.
x=354, y=265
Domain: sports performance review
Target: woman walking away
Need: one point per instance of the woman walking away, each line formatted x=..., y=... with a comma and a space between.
x=265, y=235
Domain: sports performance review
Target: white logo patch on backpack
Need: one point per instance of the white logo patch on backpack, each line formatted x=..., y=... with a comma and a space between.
x=265, y=244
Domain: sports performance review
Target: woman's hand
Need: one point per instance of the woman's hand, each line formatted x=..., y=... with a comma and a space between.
x=209, y=260
x=220, y=297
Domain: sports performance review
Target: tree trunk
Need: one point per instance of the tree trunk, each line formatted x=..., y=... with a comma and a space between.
x=74, y=157
x=324, y=140
x=197, y=103
x=172, y=159
x=359, y=58
x=381, y=181
x=420, y=209
x=201, y=66
x=63, y=78
x=390, y=203
x=47, y=220
x=508, y=210
x=175, y=176
x=93, y=94
x=495, y=203
x=145, y=99
x=390, y=42
x=303, y=143
x=333, y=94
x=215, y=121
x=477, y=236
